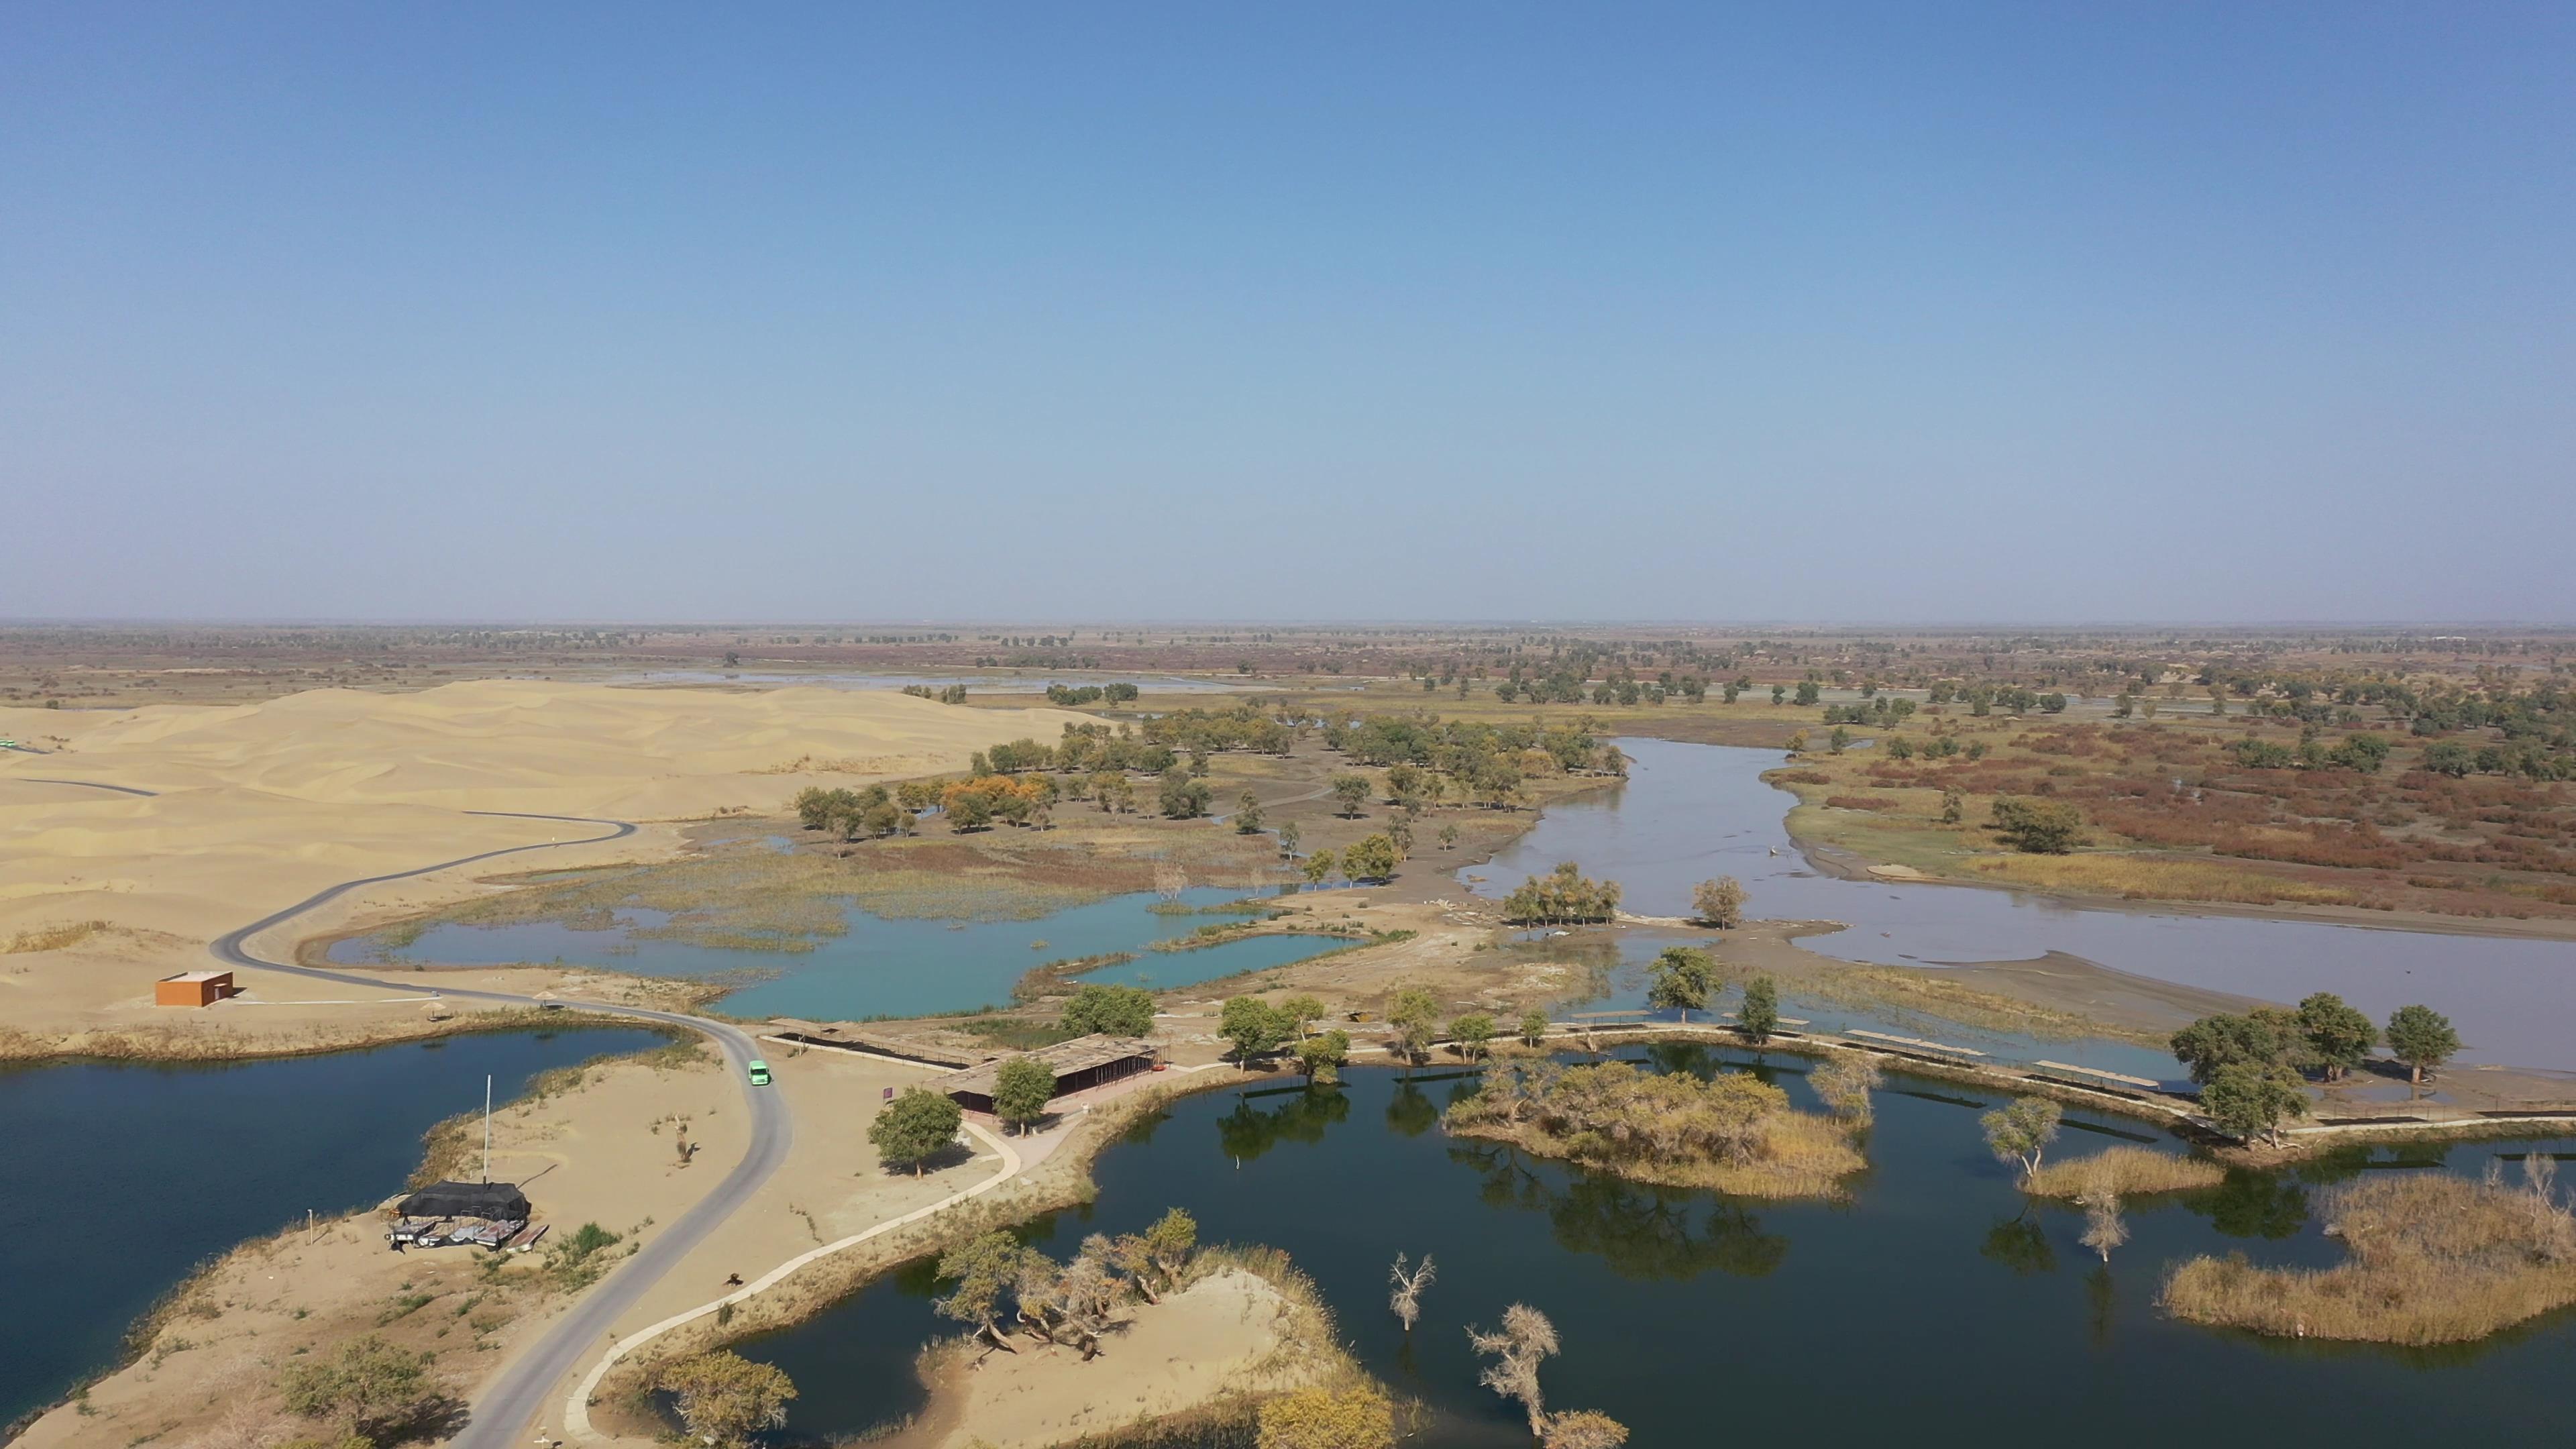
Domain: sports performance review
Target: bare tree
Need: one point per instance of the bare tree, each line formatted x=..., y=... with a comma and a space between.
x=2103, y=1228
x=1407, y=1300
x=1525, y=1341
x=1170, y=880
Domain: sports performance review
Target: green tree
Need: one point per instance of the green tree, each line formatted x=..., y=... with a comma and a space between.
x=1247, y=814
x=725, y=1399
x=1533, y=1027
x=2422, y=1038
x=1953, y=807
x=1415, y=1015
x=1288, y=838
x=1760, y=1014
x=2038, y=827
x=1682, y=977
x=1369, y=858
x=970, y=812
x=1321, y=1057
x=2250, y=1098
x=1183, y=797
x=1719, y=902
x=1474, y=1034
x=2339, y=1037
x=1022, y=1087
x=1448, y=836
x=1110, y=1010
x=1170, y=1241
x=369, y=1388
x=1301, y=1012
x=1253, y=1026
x=986, y=1270
x=915, y=1127
x=1319, y=867
x=2266, y=1036
x=2022, y=1131
x=1353, y=791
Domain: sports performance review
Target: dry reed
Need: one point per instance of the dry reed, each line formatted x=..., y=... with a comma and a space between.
x=2123, y=1172
x=2433, y=1259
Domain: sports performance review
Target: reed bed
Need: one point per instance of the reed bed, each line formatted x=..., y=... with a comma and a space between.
x=2433, y=1259
x=2123, y=1172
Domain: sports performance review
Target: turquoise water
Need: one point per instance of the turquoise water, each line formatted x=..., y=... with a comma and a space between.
x=881, y=967
x=202, y=1157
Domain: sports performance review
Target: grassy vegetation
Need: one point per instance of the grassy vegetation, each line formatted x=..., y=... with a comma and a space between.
x=1733, y=1134
x=52, y=938
x=2123, y=1172
x=2433, y=1259
x=2142, y=878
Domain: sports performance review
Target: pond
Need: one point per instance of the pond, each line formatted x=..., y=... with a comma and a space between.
x=1936, y=1305
x=121, y=1178
x=880, y=966
x=1692, y=812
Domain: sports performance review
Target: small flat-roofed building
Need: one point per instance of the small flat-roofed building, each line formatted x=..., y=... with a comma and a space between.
x=1085, y=1061
x=192, y=988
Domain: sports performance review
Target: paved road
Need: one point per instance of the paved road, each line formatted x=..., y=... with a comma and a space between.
x=85, y=784
x=502, y=1415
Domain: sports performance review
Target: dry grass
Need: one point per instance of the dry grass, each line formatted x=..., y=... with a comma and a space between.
x=52, y=938
x=1801, y=1155
x=2124, y=1172
x=2434, y=1259
x=2146, y=878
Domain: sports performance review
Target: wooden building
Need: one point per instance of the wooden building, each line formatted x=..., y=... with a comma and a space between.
x=192, y=988
x=1085, y=1061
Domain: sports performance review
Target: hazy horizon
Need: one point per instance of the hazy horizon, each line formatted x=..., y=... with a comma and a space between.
x=2188, y=317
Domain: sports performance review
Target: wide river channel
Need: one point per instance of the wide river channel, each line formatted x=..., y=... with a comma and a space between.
x=1935, y=1306
x=1692, y=812
x=120, y=1178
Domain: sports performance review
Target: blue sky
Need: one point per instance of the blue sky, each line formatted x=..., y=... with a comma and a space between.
x=1838, y=312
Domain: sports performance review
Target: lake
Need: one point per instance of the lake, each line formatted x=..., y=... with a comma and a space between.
x=120, y=1178
x=880, y=967
x=1937, y=1305
x=1692, y=812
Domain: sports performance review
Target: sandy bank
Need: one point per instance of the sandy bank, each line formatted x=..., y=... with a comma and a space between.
x=1220, y=1336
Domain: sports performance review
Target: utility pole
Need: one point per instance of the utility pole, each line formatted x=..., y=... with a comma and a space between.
x=487, y=1127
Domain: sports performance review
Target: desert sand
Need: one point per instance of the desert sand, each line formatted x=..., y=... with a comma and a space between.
x=1198, y=1345
x=260, y=806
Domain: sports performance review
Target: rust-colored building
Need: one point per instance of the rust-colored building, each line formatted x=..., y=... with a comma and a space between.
x=192, y=988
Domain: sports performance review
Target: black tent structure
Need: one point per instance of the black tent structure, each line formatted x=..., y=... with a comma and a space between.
x=499, y=1202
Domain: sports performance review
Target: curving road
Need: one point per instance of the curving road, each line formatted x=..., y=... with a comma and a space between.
x=519, y=1395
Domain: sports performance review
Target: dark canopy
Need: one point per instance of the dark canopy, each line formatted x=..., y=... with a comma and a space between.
x=501, y=1202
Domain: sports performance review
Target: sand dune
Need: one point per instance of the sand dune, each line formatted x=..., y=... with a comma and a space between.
x=569, y=749
x=262, y=805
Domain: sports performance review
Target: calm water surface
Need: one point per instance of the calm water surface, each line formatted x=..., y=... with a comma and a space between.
x=1692, y=812
x=119, y=1179
x=1936, y=1306
x=881, y=967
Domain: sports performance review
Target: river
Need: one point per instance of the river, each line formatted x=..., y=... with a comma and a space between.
x=120, y=1178
x=1935, y=1306
x=1692, y=812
